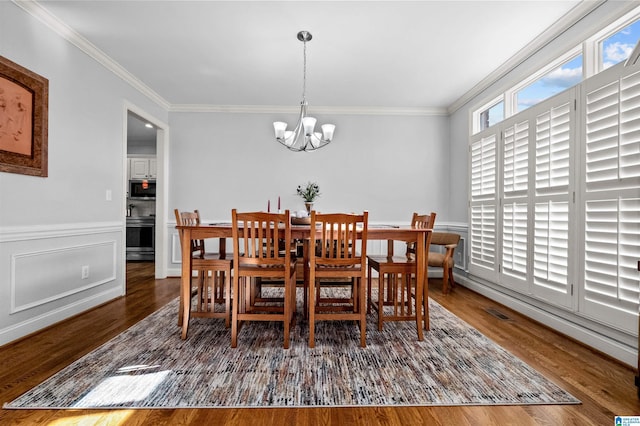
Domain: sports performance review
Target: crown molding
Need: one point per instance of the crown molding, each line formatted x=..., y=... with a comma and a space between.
x=270, y=109
x=581, y=10
x=37, y=11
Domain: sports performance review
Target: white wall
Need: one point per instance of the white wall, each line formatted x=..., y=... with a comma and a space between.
x=51, y=227
x=388, y=165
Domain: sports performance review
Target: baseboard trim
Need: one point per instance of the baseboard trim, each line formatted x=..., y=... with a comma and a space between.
x=38, y=323
x=596, y=340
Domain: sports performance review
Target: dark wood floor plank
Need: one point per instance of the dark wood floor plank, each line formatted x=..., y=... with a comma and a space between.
x=605, y=386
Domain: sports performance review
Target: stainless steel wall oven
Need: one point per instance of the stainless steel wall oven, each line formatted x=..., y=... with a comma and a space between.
x=141, y=238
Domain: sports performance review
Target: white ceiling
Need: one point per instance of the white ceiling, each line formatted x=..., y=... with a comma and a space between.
x=375, y=54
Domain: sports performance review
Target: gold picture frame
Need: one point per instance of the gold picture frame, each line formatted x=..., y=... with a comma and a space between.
x=24, y=110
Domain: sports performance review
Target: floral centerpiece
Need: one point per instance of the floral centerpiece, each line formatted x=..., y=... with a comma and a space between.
x=309, y=193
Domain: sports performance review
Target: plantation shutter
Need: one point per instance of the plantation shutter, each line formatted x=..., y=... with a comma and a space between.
x=515, y=228
x=554, y=131
x=516, y=159
x=514, y=244
x=612, y=198
x=483, y=158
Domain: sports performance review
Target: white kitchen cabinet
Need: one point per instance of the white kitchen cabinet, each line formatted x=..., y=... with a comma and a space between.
x=142, y=168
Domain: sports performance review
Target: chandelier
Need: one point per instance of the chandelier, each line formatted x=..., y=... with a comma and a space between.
x=303, y=137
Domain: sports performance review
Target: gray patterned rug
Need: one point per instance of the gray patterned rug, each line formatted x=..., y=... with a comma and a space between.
x=149, y=366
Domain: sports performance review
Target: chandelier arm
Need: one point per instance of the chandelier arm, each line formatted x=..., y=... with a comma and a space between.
x=291, y=141
x=303, y=114
x=319, y=142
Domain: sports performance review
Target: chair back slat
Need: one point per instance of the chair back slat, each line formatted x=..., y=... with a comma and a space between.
x=339, y=238
x=190, y=219
x=260, y=234
x=425, y=221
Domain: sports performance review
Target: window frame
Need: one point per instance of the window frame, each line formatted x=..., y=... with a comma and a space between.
x=595, y=43
x=477, y=113
x=512, y=93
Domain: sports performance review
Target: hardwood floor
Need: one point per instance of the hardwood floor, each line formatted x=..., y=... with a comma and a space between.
x=605, y=387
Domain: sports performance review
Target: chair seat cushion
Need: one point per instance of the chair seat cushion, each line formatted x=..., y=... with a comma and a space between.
x=437, y=259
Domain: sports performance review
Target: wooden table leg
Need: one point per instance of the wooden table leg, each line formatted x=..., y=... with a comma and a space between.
x=305, y=284
x=185, y=282
x=425, y=281
x=180, y=304
x=420, y=265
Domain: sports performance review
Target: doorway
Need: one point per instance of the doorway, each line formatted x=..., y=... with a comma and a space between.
x=145, y=165
x=141, y=173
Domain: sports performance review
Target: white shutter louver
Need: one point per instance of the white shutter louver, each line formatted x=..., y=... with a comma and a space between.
x=514, y=240
x=602, y=135
x=553, y=132
x=612, y=246
x=483, y=235
x=630, y=129
x=550, y=247
x=516, y=158
x=483, y=167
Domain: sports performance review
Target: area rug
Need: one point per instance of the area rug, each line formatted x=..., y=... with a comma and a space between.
x=149, y=366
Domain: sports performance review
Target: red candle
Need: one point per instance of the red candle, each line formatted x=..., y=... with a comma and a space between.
x=268, y=206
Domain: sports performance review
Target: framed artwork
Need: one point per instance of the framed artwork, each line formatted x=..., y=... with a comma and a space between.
x=24, y=110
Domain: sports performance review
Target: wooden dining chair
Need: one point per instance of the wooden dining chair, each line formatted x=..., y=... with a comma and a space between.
x=212, y=295
x=338, y=250
x=262, y=252
x=439, y=259
x=395, y=278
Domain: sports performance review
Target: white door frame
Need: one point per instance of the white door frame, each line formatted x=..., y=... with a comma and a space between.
x=162, y=185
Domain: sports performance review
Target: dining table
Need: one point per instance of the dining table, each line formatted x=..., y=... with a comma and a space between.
x=390, y=233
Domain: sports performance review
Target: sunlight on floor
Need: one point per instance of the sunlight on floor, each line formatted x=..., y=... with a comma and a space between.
x=112, y=418
x=125, y=388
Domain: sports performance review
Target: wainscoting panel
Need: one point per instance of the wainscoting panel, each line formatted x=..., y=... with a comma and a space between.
x=76, y=269
x=176, y=253
x=51, y=272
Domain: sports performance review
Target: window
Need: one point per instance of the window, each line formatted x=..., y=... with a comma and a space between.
x=492, y=115
x=618, y=47
x=555, y=205
x=561, y=78
x=608, y=47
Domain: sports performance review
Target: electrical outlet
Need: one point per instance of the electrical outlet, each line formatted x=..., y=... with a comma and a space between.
x=85, y=272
